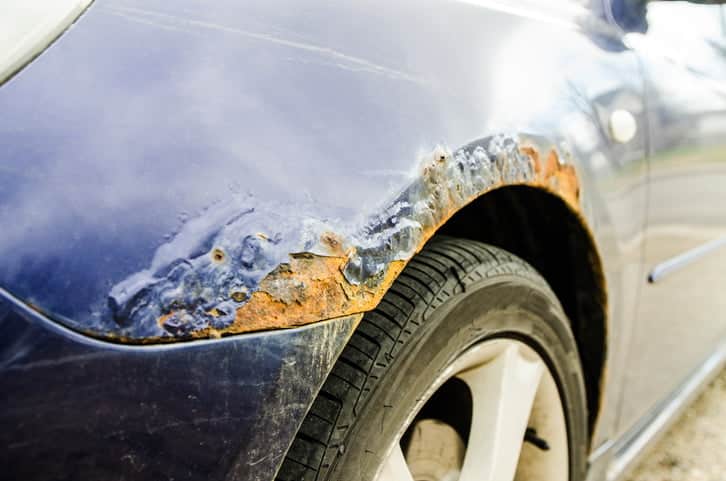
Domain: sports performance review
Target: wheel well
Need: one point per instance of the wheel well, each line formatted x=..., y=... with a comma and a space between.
x=543, y=230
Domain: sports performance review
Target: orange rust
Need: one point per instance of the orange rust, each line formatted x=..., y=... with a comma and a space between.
x=309, y=289
x=554, y=175
x=239, y=295
x=165, y=317
x=333, y=243
x=312, y=288
x=218, y=254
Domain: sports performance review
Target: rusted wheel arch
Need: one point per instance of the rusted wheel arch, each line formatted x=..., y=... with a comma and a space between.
x=514, y=191
x=348, y=273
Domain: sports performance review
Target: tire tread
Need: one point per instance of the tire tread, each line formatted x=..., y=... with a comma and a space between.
x=426, y=282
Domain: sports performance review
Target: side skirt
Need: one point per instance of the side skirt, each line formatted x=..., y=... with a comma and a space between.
x=614, y=460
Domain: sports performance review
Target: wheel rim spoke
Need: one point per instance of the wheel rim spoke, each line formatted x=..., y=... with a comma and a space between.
x=396, y=468
x=503, y=391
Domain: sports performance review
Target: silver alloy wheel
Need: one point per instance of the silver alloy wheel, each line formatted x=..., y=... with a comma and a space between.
x=511, y=389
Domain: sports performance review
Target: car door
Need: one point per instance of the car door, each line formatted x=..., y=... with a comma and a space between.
x=682, y=308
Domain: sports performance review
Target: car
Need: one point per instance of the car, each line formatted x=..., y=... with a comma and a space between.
x=427, y=240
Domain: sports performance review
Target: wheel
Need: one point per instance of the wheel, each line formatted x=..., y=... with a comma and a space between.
x=467, y=370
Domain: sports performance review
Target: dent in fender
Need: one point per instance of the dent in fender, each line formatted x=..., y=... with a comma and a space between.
x=259, y=272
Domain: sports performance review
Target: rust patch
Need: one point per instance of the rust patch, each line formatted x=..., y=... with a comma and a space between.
x=252, y=282
x=239, y=295
x=164, y=318
x=333, y=243
x=555, y=175
x=217, y=255
x=310, y=288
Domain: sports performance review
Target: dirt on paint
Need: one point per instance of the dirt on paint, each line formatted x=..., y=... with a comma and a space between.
x=695, y=447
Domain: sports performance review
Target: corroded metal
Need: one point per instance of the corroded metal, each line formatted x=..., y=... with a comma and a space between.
x=209, y=281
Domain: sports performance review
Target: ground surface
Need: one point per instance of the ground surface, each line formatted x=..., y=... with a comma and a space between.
x=695, y=448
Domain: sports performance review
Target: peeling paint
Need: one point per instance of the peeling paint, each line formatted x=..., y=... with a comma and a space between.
x=252, y=274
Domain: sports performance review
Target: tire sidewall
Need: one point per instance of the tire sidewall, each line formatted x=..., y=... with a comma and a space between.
x=505, y=306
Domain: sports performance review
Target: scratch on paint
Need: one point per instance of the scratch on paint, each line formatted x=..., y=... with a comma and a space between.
x=341, y=59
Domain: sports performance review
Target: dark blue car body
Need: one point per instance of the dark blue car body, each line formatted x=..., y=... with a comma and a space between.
x=162, y=164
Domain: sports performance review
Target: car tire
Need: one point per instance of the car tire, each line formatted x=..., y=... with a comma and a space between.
x=454, y=297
